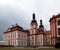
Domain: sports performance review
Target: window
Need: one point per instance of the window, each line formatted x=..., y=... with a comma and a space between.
x=19, y=42
x=8, y=36
x=58, y=22
x=22, y=42
x=19, y=35
x=58, y=31
x=8, y=42
x=34, y=31
x=25, y=37
x=13, y=35
x=32, y=37
x=38, y=42
x=13, y=42
x=32, y=43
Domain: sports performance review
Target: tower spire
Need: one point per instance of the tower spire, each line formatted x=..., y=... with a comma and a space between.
x=33, y=16
x=40, y=22
x=41, y=25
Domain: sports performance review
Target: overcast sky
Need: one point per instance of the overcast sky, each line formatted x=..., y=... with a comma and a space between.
x=20, y=11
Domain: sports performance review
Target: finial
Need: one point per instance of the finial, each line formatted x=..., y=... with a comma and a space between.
x=16, y=24
x=40, y=22
x=33, y=16
x=12, y=25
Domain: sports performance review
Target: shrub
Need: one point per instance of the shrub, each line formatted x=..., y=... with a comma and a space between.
x=57, y=45
x=6, y=46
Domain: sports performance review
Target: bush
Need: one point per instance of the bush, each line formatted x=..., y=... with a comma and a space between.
x=6, y=46
x=57, y=45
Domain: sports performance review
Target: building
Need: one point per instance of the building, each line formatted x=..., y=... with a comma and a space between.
x=38, y=37
x=35, y=36
x=55, y=28
x=1, y=42
x=16, y=36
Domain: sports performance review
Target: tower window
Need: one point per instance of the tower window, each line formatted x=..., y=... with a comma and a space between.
x=32, y=31
x=58, y=31
x=58, y=22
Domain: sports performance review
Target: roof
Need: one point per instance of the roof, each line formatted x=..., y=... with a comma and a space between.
x=13, y=28
x=33, y=21
x=48, y=32
x=27, y=31
x=54, y=17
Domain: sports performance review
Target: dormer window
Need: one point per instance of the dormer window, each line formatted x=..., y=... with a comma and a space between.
x=58, y=22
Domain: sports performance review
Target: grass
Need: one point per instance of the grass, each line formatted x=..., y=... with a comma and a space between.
x=19, y=48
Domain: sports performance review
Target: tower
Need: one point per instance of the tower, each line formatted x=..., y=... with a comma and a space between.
x=42, y=33
x=33, y=31
x=33, y=25
x=41, y=27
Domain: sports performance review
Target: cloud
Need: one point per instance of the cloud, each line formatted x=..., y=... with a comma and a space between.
x=10, y=15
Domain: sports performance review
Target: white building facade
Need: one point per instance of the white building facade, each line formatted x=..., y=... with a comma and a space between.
x=15, y=36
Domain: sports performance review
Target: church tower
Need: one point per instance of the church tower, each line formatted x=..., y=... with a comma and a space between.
x=42, y=34
x=33, y=25
x=41, y=27
x=33, y=31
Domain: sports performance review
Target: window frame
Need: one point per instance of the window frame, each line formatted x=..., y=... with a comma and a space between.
x=59, y=22
x=58, y=31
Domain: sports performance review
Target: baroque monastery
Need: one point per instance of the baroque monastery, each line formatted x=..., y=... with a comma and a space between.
x=35, y=36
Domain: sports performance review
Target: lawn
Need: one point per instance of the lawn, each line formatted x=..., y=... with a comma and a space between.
x=18, y=48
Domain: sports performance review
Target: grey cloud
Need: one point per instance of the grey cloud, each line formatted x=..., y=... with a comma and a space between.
x=8, y=17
